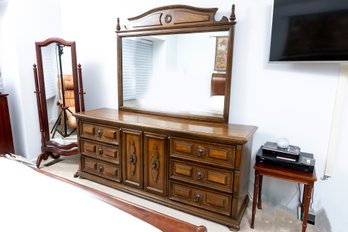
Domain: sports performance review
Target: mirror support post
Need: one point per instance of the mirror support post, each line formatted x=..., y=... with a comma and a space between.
x=81, y=93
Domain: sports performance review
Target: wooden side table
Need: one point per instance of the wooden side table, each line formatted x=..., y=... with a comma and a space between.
x=305, y=178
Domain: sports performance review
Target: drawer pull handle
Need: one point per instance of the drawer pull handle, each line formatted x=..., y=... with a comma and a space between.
x=200, y=174
x=200, y=151
x=99, y=133
x=155, y=164
x=197, y=197
x=133, y=161
x=101, y=169
x=132, y=158
x=100, y=150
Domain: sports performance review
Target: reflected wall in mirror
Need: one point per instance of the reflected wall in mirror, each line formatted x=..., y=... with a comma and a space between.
x=59, y=92
x=176, y=61
x=173, y=73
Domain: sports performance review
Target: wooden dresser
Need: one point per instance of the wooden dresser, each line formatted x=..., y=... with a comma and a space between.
x=6, y=141
x=198, y=167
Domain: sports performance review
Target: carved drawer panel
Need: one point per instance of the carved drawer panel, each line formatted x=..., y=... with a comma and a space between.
x=204, y=176
x=201, y=198
x=208, y=153
x=100, y=133
x=101, y=151
x=100, y=168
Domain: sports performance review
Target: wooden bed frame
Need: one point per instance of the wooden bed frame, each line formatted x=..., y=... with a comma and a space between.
x=158, y=220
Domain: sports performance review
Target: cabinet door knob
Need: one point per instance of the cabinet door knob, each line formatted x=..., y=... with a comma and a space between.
x=132, y=158
x=155, y=164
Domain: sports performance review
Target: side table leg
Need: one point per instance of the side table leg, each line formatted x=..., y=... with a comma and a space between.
x=307, y=199
x=303, y=200
x=259, y=201
x=256, y=189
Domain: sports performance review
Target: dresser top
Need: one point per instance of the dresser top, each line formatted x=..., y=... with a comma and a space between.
x=224, y=131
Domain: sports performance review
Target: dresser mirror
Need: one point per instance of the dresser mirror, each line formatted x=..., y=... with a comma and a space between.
x=173, y=66
x=59, y=93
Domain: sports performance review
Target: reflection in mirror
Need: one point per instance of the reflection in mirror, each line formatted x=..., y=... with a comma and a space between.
x=59, y=87
x=176, y=73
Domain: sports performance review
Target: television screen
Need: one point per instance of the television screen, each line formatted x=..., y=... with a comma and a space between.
x=309, y=30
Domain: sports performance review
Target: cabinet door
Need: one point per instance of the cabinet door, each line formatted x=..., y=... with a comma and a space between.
x=155, y=147
x=132, y=158
x=6, y=142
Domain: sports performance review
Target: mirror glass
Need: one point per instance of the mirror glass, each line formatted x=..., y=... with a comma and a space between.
x=175, y=73
x=59, y=90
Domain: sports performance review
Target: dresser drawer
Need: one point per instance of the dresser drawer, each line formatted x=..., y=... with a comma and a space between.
x=201, y=198
x=101, y=151
x=100, y=168
x=100, y=133
x=201, y=175
x=208, y=153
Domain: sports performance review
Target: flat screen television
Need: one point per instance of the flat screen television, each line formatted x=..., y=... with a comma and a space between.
x=309, y=30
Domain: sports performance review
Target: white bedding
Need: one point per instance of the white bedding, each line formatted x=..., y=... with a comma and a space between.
x=30, y=201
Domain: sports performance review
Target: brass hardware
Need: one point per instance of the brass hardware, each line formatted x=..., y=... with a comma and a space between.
x=99, y=132
x=200, y=151
x=132, y=158
x=155, y=163
x=197, y=197
x=200, y=174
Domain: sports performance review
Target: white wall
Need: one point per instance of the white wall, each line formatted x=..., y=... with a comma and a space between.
x=23, y=23
x=285, y=99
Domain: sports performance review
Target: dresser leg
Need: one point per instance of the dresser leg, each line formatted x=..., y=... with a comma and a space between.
x=236, y=228
x=255, y=197
x=76, y=175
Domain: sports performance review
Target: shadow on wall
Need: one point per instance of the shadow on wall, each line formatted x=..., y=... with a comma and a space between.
x=322, y=221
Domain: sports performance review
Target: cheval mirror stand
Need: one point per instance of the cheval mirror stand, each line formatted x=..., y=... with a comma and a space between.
x=189, y=158
x=59, y=94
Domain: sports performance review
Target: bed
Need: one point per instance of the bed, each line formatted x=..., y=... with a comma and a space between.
x=35, y=200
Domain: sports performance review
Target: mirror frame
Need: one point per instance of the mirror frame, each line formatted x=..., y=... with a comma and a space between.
x=51, y=148
x=178, y=19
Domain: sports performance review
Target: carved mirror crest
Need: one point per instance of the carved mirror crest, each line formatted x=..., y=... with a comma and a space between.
x=176, y=61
